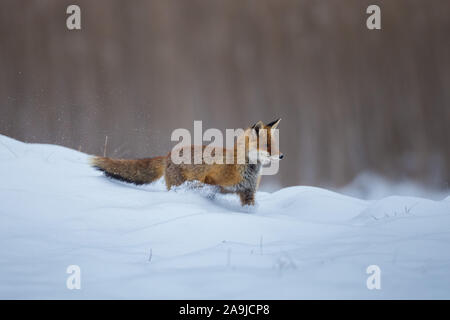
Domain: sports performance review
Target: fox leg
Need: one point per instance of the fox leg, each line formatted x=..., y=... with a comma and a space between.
x=216, y=188
x=247, y=197
x=173, y=176
x=225, y=191
x=209, y=180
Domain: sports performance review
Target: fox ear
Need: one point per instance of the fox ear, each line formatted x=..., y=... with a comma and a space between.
x=274, y=124
x=257, y=126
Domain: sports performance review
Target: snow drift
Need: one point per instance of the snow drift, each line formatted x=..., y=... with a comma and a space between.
x=145, y=242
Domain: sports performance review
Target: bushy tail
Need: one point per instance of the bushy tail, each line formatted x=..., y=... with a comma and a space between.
x=140, y=171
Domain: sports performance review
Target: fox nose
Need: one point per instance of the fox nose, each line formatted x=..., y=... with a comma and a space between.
x=281, y=156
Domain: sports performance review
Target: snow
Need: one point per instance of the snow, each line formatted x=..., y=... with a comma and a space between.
x=371, y=186
x=144, y=242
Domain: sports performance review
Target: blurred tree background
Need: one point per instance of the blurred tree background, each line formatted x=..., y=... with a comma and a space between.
x=351, y=99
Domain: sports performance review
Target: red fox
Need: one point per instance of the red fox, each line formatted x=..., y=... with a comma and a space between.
x=240, y=177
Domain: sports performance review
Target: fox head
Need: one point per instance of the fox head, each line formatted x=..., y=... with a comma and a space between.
x=262, y=143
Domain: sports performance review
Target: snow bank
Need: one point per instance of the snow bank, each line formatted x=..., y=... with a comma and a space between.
x=371, y=186
x=145, y=242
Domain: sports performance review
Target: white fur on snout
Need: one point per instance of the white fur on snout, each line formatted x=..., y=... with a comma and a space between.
x=264, y=157
x=277, y=158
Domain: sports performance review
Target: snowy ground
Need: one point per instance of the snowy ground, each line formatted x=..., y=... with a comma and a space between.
x=144, y=242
